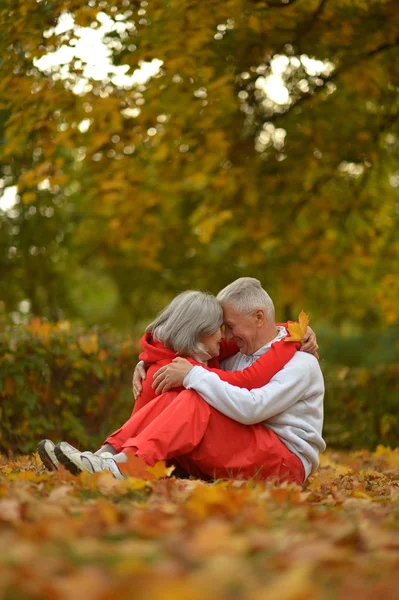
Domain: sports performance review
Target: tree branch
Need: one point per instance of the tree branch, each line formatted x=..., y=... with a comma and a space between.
x=309, y=24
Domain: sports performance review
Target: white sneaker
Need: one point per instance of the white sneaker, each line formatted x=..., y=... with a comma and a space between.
x=71, y=458
x=95, y=464
x=47, y=455
x=106, y=455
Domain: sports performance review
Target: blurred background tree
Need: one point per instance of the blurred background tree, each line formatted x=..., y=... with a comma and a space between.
x=150, y=147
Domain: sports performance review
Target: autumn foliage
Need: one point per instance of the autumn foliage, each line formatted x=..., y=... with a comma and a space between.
x=60, y=381
x=361, y=406
x=154, y=536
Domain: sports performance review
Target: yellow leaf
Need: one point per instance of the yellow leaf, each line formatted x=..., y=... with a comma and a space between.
x=391, y=456
x=159, y=470
x=107, y=512
x=198, y=181
x=254, y=24
x=134, y=483
x=326, y=461
x=297, y=330
x=8, y=386
x=28, y=197
x=88, y=344
x=161, y=153
x=103, y=355
x=208, y=226
x=359, y=494
x=63, y=326
x=216, y=499
x=28, y=476
x=40, y=330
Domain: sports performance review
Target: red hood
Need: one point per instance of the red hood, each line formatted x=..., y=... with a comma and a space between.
x=154, y=351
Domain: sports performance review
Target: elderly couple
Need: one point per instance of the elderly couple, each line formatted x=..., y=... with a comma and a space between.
x=242, y=404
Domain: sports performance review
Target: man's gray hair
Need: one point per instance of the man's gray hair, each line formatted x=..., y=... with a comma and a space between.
x=183, y=321
x=245, y=295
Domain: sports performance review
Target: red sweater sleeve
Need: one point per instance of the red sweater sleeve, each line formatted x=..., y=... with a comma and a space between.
x=227, y=349
x=263, y=369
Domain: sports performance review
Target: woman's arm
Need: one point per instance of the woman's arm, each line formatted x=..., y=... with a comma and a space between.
x=263, y=369
x=227, y=349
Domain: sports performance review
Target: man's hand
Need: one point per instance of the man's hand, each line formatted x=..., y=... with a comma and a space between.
x=309, y=342
x=171, y=375
x=139, y=374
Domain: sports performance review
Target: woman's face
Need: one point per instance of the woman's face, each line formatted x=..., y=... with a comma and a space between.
x=212, y=342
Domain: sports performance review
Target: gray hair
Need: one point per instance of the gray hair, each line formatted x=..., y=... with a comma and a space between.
x=184, y=320
x=245, y=295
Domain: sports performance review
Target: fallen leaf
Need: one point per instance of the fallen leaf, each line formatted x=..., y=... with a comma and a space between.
x=160, y=470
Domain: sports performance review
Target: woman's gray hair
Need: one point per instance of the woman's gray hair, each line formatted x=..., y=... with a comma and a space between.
x=184, y=320
x=245, y=295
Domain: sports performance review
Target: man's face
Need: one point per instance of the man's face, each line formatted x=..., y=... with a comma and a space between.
x=242, y=328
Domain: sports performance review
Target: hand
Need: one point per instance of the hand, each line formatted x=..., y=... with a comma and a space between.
x=171, y=375
x=309, y=343
x=139, y=374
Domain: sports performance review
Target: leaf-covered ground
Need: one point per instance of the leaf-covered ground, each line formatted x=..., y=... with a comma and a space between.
x=96, y=538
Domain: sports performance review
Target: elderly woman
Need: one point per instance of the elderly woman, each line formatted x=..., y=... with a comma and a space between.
x=179, y=425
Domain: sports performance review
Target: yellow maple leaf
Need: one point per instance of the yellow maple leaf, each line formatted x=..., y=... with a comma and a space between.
x=133, y=484
x=159, y=470
x=297, y=330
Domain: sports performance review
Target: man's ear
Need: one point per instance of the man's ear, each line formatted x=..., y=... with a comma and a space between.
x=260, y=317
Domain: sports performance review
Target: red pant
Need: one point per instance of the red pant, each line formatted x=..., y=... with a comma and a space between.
x=204, y=441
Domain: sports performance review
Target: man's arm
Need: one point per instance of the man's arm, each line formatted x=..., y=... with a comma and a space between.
x=252, y=406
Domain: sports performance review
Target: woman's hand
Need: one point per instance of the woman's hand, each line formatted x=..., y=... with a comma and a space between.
x=171, y=375
x=139, y=374
x=309, y=342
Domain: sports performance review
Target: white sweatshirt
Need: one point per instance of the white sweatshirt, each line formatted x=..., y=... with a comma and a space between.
x=291, y=404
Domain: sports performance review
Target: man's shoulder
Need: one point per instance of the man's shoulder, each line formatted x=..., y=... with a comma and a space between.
x=304, y=358
x=305, y=361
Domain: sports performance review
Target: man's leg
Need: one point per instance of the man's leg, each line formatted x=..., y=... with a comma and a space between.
x=230, y=449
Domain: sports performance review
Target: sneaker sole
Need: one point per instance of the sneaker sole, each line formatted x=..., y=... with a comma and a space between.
x=44, y=457
x=68, y=463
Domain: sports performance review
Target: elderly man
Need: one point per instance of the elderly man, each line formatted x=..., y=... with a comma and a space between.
x=291, y=404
